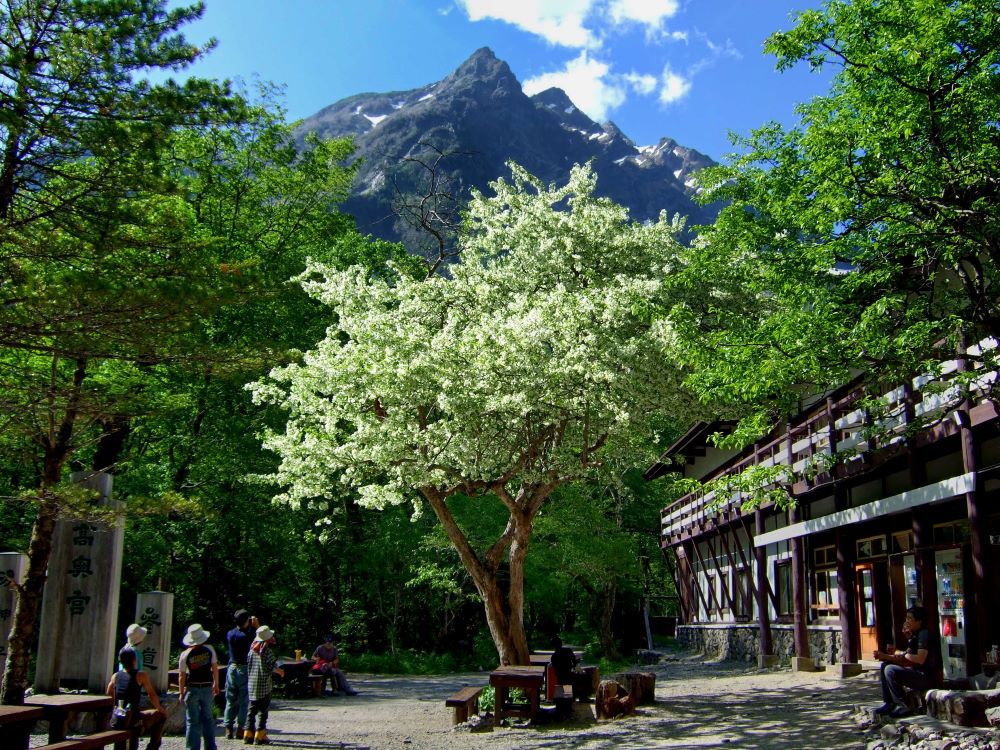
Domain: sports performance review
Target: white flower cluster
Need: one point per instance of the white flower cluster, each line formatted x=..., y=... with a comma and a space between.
x=528, y=356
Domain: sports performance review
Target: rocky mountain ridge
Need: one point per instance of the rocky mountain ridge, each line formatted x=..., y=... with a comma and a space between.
x=478, y=118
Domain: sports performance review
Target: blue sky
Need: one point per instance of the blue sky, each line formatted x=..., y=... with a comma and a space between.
x=691, y=70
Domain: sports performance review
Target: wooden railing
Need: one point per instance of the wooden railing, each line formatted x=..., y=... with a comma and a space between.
x=836, y=430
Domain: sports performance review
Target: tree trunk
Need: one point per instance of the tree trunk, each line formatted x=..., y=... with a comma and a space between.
x=609, y=594
x=504, y=614
x=29, y=595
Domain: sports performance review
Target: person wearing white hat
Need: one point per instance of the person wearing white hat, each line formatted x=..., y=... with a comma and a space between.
x=134, y=635
x=199, y=684
x=261, y=664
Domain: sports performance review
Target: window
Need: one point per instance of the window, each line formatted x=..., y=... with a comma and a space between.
x=783, y=577
x=711, y=596
x=902, y=541
x=824, y=556
x=742, y=594
x=955, y=532
x=825, y=595
x=873, y=546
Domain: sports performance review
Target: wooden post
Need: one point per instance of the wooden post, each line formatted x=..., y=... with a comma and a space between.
x=711, y=591
x=844, y=537
x=764, y=616
x=715, y=561
x=980, y=590
x=693, y=577
x=800, y=616
x=676, y=577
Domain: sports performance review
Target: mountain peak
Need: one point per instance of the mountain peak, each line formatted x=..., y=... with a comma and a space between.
x=477, y=119
x=483, y=64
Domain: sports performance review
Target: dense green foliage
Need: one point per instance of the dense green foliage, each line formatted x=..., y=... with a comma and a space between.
x=892, y=174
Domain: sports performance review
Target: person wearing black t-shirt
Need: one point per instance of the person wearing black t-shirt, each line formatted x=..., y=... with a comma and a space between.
x=199, y=684
x=909, y=668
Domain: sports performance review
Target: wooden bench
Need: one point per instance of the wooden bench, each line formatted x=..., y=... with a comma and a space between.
x=465, y=701
x=562, y=697
x=117, y=737
x=316, y=682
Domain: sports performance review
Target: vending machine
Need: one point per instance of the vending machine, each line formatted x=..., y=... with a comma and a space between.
x=951, y=611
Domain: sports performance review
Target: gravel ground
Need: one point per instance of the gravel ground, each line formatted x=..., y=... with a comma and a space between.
x=699, y=704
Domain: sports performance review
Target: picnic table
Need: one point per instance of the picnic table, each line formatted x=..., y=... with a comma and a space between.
x=15, y=725
x=529, y=679
x=56, y=710
x=296, y=680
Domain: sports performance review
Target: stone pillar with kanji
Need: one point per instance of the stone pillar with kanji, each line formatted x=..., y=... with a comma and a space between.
x=154, y=610
x=76, y=644
x=13, y=566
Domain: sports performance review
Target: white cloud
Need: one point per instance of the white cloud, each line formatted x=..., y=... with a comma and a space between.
x=557, y=21
x=641, y=83
x=575, y=23
x=647, y=12
x=673, y=86
x=588, y=82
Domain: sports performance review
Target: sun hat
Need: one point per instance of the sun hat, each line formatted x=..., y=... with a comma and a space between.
x=134, y=633
x=195, y=636
x=264, y=633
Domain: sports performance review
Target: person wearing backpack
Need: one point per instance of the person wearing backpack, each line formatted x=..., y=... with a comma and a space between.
x=126, y=688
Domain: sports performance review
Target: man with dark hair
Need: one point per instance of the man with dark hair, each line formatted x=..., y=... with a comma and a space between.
x=327, y=660
x=238, y=642
x=909, y=668
x=126, y=687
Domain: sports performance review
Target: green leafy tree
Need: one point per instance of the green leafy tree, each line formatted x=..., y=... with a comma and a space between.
x=102, y=270
x=524, y=370
x=866, y=237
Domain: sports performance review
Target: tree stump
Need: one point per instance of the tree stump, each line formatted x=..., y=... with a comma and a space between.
x=613, y=700
x=640, y=685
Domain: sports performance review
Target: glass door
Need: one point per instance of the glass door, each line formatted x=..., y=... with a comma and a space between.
x=867, y=618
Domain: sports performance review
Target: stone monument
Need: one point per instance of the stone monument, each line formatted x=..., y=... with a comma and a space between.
x=80, y=603
x=154, y=610
x=13, y=567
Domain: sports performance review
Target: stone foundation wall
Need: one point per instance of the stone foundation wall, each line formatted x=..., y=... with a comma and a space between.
x=741, y=642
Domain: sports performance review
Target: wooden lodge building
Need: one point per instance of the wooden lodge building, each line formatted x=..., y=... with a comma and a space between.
x=911, y=516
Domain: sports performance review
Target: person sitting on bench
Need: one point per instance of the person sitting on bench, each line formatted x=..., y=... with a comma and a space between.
x=564, y=661
x=909, y=668
x=126, y=688
x=328, y=664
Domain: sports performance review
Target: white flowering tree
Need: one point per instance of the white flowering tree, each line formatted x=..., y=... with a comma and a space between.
x=526, y=368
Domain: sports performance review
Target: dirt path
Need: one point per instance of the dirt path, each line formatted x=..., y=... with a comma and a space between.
x=699, y=705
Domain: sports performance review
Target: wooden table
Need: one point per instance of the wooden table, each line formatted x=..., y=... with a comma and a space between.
x=529, y=679
x=56, y=710
x=296, y=679
x=15, y=725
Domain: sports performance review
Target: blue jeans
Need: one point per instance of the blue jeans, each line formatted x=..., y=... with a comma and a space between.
x=894, y=678
x=199, y=722
x=236, y=696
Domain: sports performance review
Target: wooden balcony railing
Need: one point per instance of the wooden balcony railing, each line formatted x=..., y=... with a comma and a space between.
x=837, y=431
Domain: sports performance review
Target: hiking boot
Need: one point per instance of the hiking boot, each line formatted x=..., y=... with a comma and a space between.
x=248, y=737
x=261, y=738
x=884, y=709
x=230, y=733
x=899, y=712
